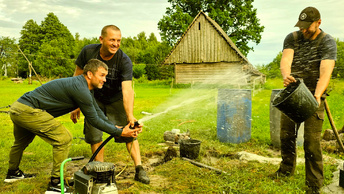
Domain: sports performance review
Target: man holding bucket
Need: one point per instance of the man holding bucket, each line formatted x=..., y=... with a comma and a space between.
x=308, y=54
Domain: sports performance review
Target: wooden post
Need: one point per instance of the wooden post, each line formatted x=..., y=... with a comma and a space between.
x=204, y=166
x=30, y=67
x=30, y=79
x=327, y=108
x=171, y=86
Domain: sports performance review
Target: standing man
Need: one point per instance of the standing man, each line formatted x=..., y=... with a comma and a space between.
x=309, y=54
x=34, y=114
x=116, y=99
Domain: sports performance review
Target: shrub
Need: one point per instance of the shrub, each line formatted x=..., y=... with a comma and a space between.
x=138, y=70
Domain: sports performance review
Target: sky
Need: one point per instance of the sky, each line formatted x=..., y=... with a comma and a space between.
x=87, y=17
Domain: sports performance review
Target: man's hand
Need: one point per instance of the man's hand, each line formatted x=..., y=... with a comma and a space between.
x=133, y=126
x=318, y=98
x=75, y=115
x=288, y=80
x=127, y=132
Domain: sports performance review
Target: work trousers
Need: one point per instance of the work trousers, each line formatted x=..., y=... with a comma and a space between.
x=312, y=147
x=29, y=122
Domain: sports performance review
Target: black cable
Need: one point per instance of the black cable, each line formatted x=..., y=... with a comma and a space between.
x=100, y=147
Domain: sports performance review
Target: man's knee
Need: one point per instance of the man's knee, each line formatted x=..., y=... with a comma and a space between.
x=66, y=139
x=93, y=139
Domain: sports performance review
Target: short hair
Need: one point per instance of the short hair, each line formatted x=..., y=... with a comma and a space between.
x=93, y=65
x=112, y=27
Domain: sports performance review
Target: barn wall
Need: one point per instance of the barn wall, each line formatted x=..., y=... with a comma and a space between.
x=212, y=73
x=202, y=43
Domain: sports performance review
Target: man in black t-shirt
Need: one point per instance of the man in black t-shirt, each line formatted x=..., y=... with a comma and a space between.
x=309, y=54
x=116, y=98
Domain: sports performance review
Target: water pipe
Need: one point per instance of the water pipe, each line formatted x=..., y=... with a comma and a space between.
x=62, y=167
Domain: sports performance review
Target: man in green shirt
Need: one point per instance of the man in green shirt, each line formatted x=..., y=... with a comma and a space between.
x=34, y=114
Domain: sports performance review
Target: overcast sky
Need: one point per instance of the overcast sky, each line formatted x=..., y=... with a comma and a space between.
x=87, y=17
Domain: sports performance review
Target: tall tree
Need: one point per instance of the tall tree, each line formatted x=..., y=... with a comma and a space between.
x=29, y=42
x=30, y=38
x=53, y=29
x=52, y=61
x=237, y=18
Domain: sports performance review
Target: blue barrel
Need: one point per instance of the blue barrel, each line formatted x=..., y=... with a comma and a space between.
x=234, y=112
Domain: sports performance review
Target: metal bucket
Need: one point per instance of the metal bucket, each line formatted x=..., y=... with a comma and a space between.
x=234, y=112
x=296, y=101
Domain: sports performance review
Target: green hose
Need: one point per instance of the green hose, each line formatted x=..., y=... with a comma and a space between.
x=61, y=174
x=62, y=167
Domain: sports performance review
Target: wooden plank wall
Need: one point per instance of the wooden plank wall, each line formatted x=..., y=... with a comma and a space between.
x=202, y=43
x=211, y=73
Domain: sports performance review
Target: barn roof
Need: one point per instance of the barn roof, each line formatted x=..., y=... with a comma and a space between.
x=217, y=28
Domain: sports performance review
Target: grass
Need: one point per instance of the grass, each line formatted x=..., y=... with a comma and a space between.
x=186, y=109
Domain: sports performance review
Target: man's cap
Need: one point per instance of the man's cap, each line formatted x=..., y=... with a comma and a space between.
x=307, y=17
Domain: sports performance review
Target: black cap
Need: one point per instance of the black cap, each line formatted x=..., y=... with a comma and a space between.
x=307, y=17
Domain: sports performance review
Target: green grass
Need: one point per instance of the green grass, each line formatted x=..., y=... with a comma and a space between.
x=188, y=109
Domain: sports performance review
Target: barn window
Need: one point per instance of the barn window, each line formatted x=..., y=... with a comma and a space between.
x=199, y=25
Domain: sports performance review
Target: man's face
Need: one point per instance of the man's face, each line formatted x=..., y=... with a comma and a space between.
x=112, y=41
x=98, y=79
x=311, y=30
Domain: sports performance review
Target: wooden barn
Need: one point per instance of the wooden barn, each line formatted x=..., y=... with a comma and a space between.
x=205, y=54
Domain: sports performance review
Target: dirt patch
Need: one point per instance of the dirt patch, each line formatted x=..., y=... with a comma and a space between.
x=158, y=181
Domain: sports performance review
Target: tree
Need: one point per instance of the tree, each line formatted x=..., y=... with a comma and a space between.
x=30, y=38
x=81, y=43
x=237, y=18
x=29, y=42
x=339, y=68
x=145, y=50
x=272, y=70
x=52, y=61
x=8, y=62
x=53, y=29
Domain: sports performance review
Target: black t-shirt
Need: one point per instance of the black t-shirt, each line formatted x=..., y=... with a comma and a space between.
x=308, y=54
x=120, y=69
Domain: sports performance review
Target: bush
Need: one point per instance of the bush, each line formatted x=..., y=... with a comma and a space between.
x=159, y=72
x=152, y=72
x=142, y=79
x=139, y=70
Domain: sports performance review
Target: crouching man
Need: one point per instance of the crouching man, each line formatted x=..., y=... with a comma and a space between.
x=34, y=114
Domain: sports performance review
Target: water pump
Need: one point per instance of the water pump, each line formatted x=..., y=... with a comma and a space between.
x=95, y=178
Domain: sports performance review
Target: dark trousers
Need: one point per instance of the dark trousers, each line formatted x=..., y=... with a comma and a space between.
x=312, y=147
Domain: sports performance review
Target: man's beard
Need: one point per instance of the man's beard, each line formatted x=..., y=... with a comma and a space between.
x=309, y=35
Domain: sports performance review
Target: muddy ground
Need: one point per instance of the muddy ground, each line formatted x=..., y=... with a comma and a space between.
x=126, y=179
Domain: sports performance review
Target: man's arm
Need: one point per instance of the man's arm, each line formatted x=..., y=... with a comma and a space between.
x=128, y=101
x=285, y=66
x=75, y=114
x=326, y=68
